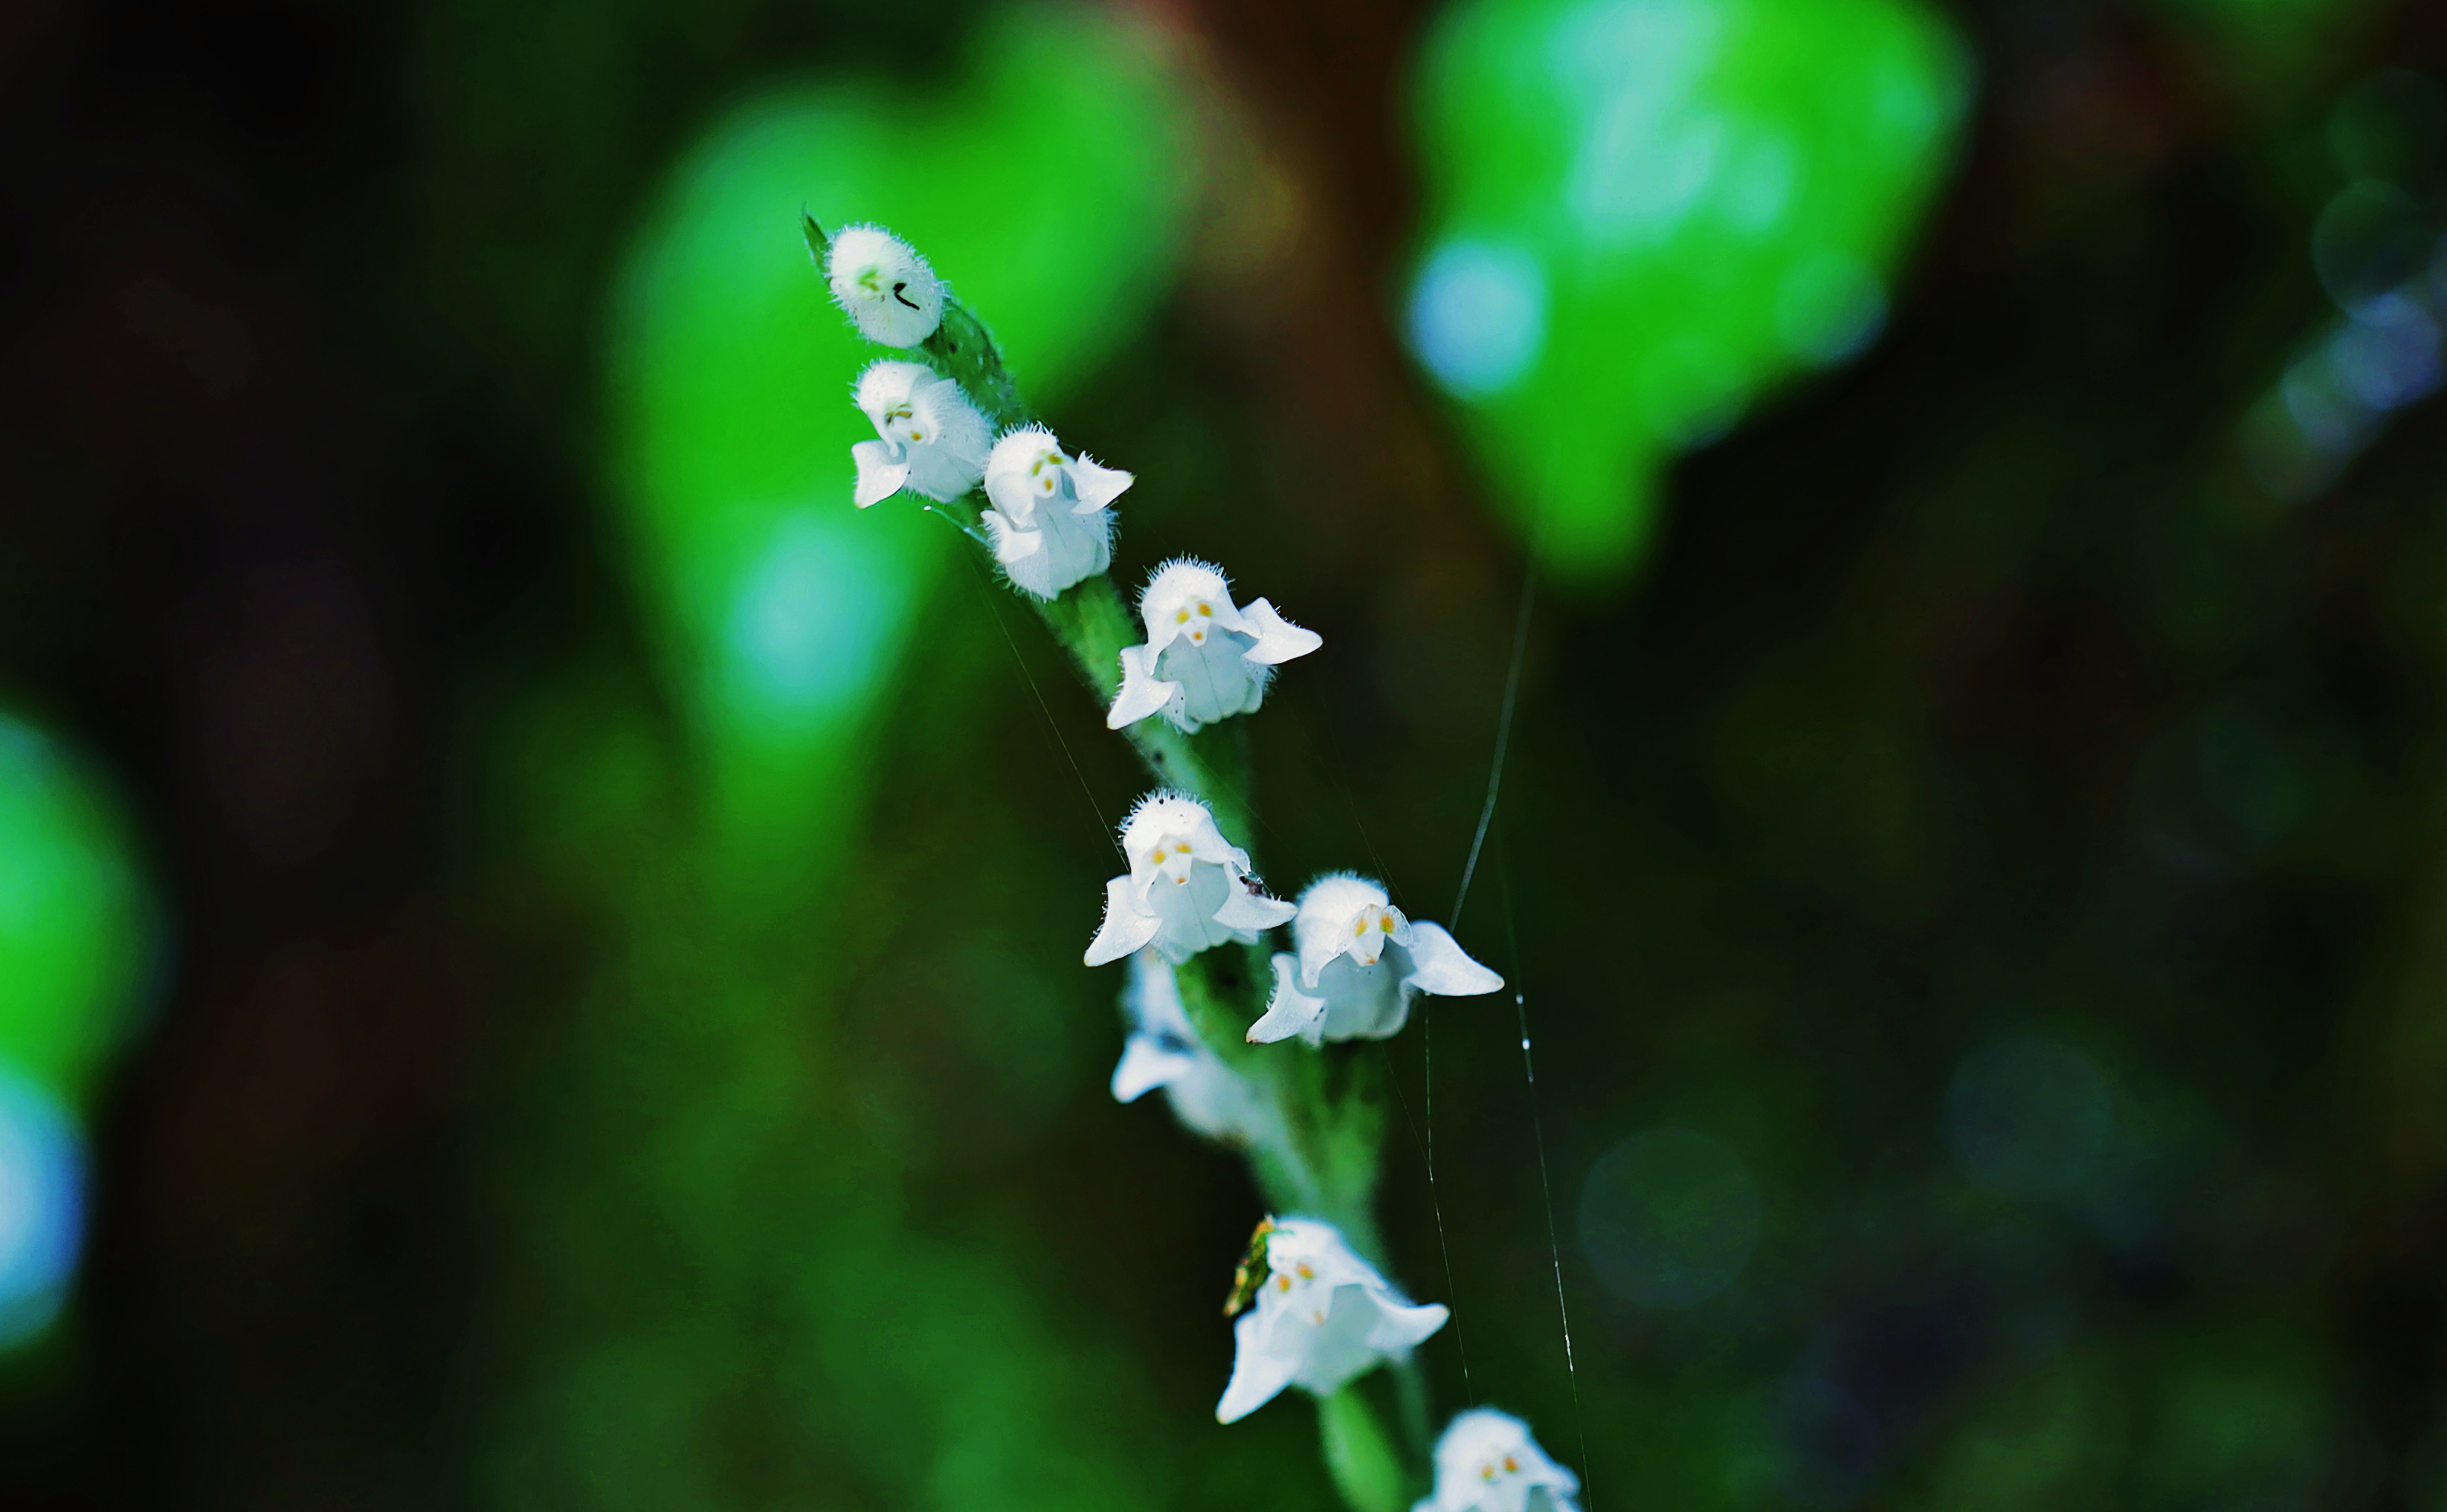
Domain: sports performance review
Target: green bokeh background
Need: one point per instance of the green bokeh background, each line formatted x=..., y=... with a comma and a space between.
x=1714, y=196
x=1969, y=846
x=76, y=945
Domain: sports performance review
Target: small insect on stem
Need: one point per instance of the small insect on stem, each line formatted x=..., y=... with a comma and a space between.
x=1251, y=1273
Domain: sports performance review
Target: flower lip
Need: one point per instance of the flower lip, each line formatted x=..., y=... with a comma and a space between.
x=1487, y=1460
x=1189, y=598
x=1323, y=1318
x=1187, y=890
x=1168, y=832
x=1344, y=914
x=1357, y=963
x=1050, y=513
x=1206, y=658
x=929, y=439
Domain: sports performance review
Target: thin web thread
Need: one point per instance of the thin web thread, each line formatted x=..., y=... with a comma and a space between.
x=1546, y=1184
x=1520, y=999
x=1435, y=1205
x=1504, y=720
x=985, y=597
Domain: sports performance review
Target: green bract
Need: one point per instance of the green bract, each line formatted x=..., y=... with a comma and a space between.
x=1643, y=211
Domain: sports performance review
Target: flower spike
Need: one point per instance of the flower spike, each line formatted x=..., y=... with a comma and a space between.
x=1052, y=520
x=1187, y=888
x=1486, y=1462
x=930, y=439
x=1323, y=1316
x=1206, y=658
x=882, y=283
x=1360, y=963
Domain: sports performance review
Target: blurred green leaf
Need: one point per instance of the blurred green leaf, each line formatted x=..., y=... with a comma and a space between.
x=1642, y=212
x=73, y=934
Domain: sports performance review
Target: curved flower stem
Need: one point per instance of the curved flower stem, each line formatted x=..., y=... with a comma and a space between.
x=1330, y=1108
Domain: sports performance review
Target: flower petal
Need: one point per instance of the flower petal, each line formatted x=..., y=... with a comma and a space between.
x=879, y=475
x=1290, y=1011
x=1020, y=552
x=1278, y=639
x=1006, y=471
x=1142, y=692
x=1258, y=1374
x=1097, y=485
x=1439, y=966
x=1399, y=1326
x=1146, y=1064
x=1124, y=929
x=1207, y=841
x=1244, y=909
x=1212, y=1100
x=1154, y=1001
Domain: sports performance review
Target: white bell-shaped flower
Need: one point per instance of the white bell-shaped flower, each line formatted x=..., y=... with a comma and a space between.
x=929, y=439
x=884, y=286
x=1206, y=658
x=1187, y=890
x=1486, y=1462
x=1322, y=1316
x=1164, y=1050
x=1359, y=964
x=1052, y=520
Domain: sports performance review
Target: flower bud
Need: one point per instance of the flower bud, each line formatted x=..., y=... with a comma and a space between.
x=884, y=286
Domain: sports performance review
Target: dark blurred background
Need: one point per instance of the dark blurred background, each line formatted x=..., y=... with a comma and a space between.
x=1974, y=843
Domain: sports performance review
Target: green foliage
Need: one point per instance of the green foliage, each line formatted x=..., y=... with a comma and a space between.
x=1643, y=212
x=73, y=934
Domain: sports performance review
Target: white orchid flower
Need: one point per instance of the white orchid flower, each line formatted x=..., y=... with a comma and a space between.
x=1164, y=1050
x=884, y=286
x=1486, y=1462
x=1359, y=964
x=1205, y=658
x=930, y=439
x=1187, y=890
x=1322, y=1318
x=1052, y=520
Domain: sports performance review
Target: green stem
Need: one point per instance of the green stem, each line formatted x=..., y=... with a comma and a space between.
x=1360, y=1454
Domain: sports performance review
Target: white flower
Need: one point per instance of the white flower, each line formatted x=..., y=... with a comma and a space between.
x=1360, y=964
x=1322, y=1316
x=1164, y=1050
x=1187, y=889
x=1486, y=1462
x=1051, y=520
x=1205, y=659
x=884, y=286
x=931, y=441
